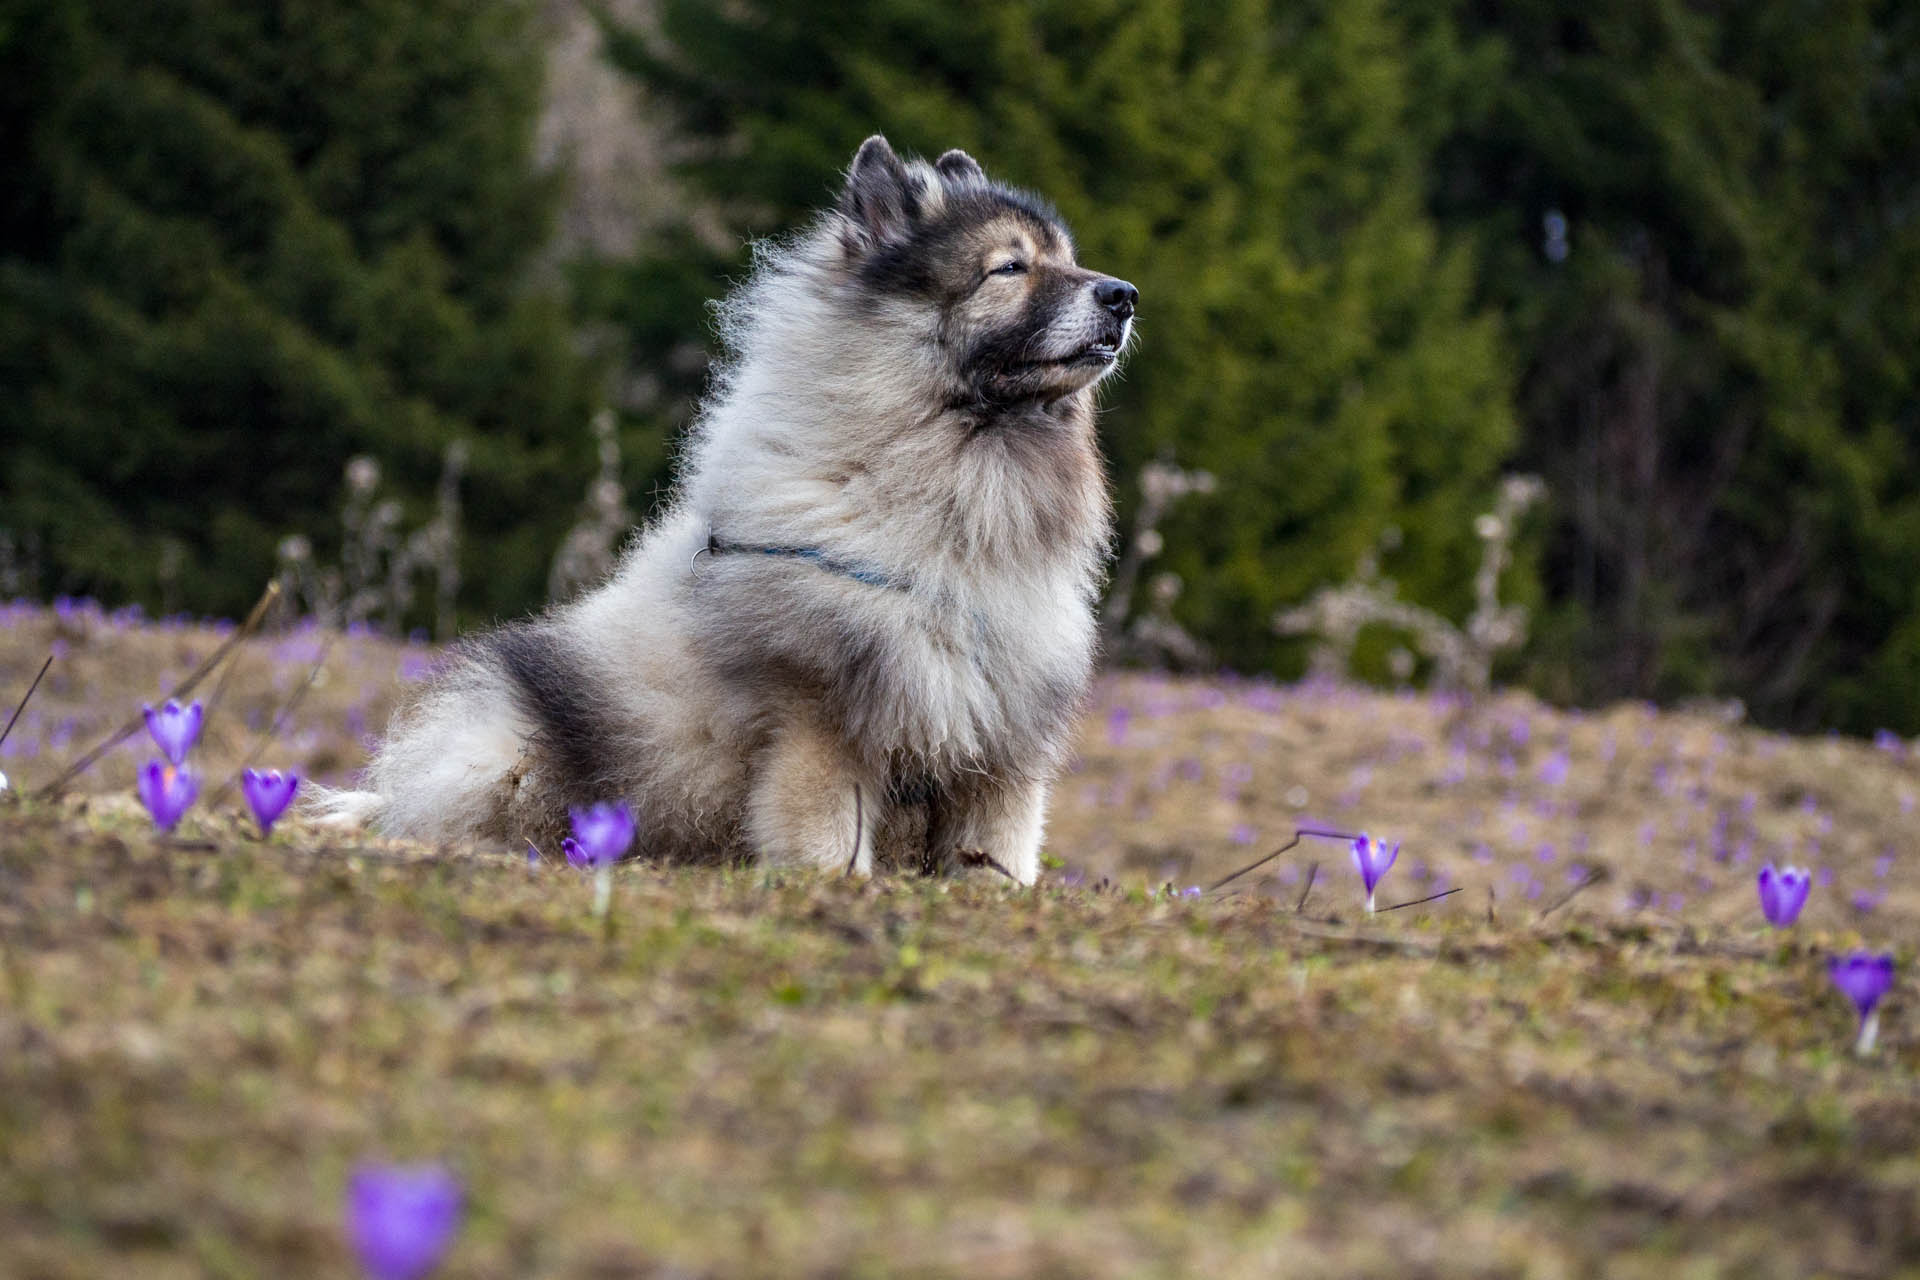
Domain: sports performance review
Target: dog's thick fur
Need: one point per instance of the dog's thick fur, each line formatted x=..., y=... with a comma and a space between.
x=864, y=628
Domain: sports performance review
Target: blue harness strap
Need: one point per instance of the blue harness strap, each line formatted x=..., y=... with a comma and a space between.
x=716, y=546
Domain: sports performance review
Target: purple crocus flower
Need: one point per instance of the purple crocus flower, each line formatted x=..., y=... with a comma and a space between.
x=168, y=792
x=401, y=1218
x=1553, y=771
x=268, y=794
x=1783, y=893
x=601, y=834
x=1863, y=978
x=1371, y=858
x=174, y=728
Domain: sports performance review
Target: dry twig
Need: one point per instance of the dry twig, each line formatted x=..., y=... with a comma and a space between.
x=1597, y=876
x=1313, y=869
x=180, y=690
x=859, y=830
x=278, y=722
x=25, y=698
x=1299, y=833
x=1432, y=897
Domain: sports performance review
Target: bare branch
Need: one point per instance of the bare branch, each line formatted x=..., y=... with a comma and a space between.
x=180, y=690
x=1298, y=834
x=25, y=698
x=1598, y=876
x=1432, y=897
x=859, y=830
x=1313, y=869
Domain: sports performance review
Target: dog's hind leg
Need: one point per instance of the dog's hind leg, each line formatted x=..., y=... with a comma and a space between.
x=810, y=804
x=1002, y=820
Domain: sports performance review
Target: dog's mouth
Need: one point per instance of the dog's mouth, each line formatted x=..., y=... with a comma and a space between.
x=1096, y=354
x=1048, y=376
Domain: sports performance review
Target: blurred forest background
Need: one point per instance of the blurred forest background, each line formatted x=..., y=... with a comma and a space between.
x=1664, y=256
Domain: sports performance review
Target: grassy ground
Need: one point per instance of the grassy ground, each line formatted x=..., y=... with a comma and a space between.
x=743, y=1073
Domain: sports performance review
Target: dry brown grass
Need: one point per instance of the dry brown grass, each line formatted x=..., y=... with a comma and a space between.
x=746, y=1073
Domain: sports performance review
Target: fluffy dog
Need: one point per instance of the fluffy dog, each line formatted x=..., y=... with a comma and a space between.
x=863, y=629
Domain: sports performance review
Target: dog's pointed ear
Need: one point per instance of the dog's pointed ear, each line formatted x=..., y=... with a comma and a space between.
x=882, y=197
x=961, y=169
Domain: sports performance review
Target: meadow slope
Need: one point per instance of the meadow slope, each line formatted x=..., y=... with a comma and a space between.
x=1592, y=1059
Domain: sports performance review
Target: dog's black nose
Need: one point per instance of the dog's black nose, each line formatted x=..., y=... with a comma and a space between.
x=1116, y=296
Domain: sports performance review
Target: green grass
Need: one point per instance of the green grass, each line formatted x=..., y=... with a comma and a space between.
x=781, y=1074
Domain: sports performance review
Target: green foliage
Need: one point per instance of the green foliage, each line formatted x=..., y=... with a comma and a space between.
x=239, y=243
x=1255, y=169
x=1720, y=377
x=242, y=242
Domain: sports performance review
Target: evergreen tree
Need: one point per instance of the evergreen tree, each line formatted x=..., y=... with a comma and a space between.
x=240, y=243
x=1255, y=168
x=1702, y=221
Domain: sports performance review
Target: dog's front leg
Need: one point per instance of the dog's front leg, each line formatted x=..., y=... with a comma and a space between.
x=810, y=804
x=1002, y=819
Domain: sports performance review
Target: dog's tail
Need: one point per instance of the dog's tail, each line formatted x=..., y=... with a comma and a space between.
x=342, y=810
x=448, y=763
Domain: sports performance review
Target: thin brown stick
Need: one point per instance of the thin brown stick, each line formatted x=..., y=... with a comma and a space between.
x=279, y=721
x=1593, y=878
x=1432, y=897
x=180, y=690
x=1229, y=879
x=859, y=829
x=1313, y=869
x=26, y=698
x=219, y=691
x=1299, y=833
x=211, y=702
